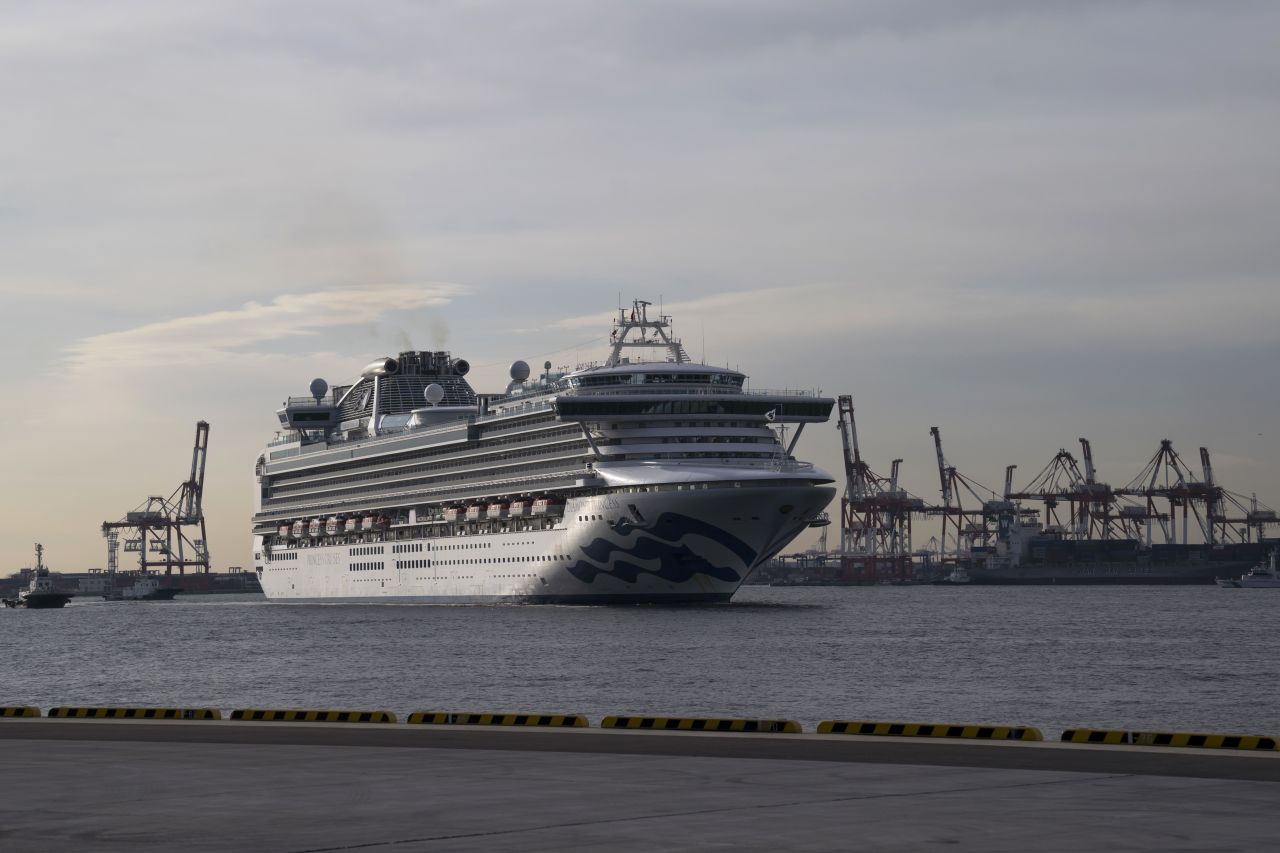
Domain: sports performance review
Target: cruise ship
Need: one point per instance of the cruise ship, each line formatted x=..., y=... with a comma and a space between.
x=646, y=478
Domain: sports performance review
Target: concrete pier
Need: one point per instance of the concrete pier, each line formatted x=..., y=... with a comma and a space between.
x=130, y=785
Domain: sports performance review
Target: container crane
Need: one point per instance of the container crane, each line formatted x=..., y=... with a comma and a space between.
x=1062, y=480
x=163, y=531
x=968, y=529
x=1250, y=518
x=1167, y=478
x=875, y=514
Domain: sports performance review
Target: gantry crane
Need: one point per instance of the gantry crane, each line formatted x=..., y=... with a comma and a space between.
x=875, y=514
x=1167, y=478
x=1062, y=480
x=1251, y=518
x=963, y=528
x=162, y=530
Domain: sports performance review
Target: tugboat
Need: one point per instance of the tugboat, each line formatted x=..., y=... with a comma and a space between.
x=145, y=588
x=39, y=594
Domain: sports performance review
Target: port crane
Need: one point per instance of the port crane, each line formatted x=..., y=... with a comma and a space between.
x=964, y=528
x=1251, y=517
x=1066, y=480
x=875, y=513
x=1166, y=478
x=168, y=532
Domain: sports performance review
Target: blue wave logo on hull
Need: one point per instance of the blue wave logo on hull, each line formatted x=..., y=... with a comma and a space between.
x=659, y=541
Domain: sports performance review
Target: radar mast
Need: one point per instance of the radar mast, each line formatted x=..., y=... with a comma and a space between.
x=638, y=321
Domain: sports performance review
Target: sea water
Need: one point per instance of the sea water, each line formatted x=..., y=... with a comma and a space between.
x=1172, y=658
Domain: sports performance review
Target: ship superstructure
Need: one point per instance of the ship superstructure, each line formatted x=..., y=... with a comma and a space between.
x=637, y=479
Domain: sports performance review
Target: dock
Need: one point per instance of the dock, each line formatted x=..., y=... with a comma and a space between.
x=108, y=784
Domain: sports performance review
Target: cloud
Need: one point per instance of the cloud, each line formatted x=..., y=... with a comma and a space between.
x=1009, y=218
x=236, y=334
x=982, y=317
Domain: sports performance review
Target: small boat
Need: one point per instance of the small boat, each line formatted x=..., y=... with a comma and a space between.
x=958, y=576
x=146, y=588
x=40, y=593
x=1261, y=576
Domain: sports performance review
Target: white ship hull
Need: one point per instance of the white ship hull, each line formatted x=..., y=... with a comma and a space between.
x=697, y=545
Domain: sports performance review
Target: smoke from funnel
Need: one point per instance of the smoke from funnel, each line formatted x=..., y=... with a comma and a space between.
x=438, y=331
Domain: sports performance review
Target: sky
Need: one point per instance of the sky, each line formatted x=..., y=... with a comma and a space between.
x=1021, y=222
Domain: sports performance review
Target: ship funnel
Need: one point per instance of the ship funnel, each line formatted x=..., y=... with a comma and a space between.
x=381, y=367
x=461, y=366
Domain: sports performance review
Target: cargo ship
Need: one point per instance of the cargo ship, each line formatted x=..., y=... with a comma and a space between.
x=1027, y=553
x=641, y=479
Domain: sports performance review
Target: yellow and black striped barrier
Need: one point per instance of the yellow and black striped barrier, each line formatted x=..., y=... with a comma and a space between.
x=1175, y=739
x=99, y=713
x=862, y=727
x=700, y=724
x=292, y=716
x=1204, y=741
x=444, y=718
x=19, y=711
x=1106, y=736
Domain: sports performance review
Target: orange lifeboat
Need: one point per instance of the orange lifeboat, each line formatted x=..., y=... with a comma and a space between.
x=548, y=506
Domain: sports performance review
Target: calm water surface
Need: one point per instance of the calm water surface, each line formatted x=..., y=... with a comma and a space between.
x=1181, y=658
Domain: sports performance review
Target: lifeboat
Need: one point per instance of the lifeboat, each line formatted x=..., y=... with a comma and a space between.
x=453, y=513
x=548, y=506
x=351, y=525
x=298, y=528
x=331, y=526
x=496, y=510
x=519, y=509
x=313, y=529
x=283, y=531
x=474, y=512
x=367, y=522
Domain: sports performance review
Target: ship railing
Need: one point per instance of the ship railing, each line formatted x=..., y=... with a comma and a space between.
x=721, y=391
x=663, y=390
x=784, y=392
x=510, y=408
x=309, y=402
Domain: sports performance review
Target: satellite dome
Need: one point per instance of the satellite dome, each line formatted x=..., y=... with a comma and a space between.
x=434, y=394
x=519, y=371
x=319, y=388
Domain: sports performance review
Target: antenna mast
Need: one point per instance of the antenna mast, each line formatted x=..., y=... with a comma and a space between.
x=638, y=322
